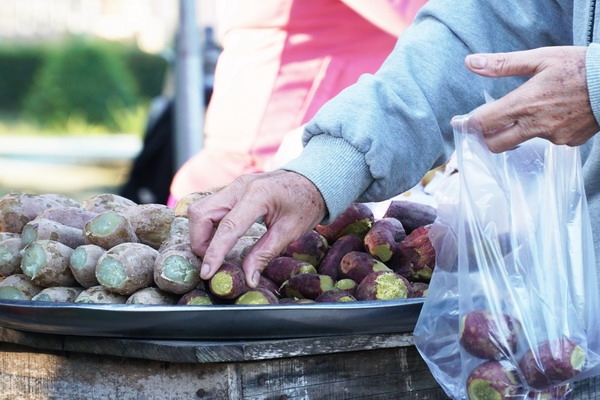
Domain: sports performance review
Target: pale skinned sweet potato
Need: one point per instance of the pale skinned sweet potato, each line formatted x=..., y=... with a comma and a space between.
x=75, y=217
x=17, y=209
x=83, y=264
x=151, y=222
x=18, y=287
x=280, y=269
x=58, y=294
x=411, y=214
x=46, y=263
x=356, y=219
x=383, y=285
x=47, y=229
x=152, y=295
x=177, y=270
x=310, y=247
x=100, y=295
x=356, y=265
x=10, y=256
x=127, y=268
x=109, y=229
x=241, y=248
x=228, y=282
x=106, y=202
x=381, y=240
x=306, y=286
x=181, y=207
x=344, y=245
x=493, y=380
x=485, y=335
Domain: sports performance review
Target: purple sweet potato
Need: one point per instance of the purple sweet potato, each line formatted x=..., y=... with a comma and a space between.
x=257, y=296
x=307, y=286
x=18, y=287
x=268, y=284
x=419, y=289
x=483, y=335
x=228, y=282
x=562, y=392
x=196, y=297
x=357, y=219
x=109, y=229
x=151, y=222
x=46, y=263
x=335, y=296
x=411, y=214
x=493, y=380
x=127, y=268
x=552, y=363
x=177, y=270
x=310, y=247
x=383, y=285
x=383, y=237
x=10, y=256
x=356, y=265
x=75, y=217
x=414, y=257
x=280, y=269
x=106, y=202
x=47, y=229
x=344, y=245
x=83, y=264
x=347, y=285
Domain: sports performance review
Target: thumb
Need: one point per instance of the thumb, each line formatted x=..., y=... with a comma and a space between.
x=495, y=65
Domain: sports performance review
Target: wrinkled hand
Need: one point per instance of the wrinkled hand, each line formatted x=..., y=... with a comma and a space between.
x=553, y=104
x=290, y=204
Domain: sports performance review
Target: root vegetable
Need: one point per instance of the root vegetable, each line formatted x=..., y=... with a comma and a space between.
x=356, y=265
x=334, y=296
x=257, y=296
x=47, y=229
x=126, y=268
x=152, y=295
x=228, y=282
x=75, y=217
x=307, y=286
x=493, y=380
x=411, y=214
x=196, y=297
x=177, y=271
x=83, y=264
x=381, y=240
x=484, y=335
x=58, y=294
x=17, y=209
x=414, y=257
x=106, y=202
x=46, y=263
x=109, y=229
x=181, y=208
x=347, y=285
x=151, y=222
x=310, y=247
x=356, y=219
x=10, y=256
x=99, y=295
x=268, y=284
x=344, y=245
x=383, y=285
x=18, y=287
x=241, y=248
x=280, y=269
x=419, y=289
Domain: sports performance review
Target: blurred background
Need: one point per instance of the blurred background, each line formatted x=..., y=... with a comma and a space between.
x=81, y=83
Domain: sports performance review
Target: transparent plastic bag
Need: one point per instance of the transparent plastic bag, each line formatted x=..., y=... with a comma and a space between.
x=513, y=307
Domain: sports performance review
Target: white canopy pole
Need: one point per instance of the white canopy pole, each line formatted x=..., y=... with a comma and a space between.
x=189, y=88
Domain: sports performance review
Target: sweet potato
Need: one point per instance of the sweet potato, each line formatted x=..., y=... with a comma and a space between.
x=126, y=268
x=552, y=363
x=268, y=284
x=257, y=296
x=344, y=245
x=9, y=235
x=306, y=286
x=381, y=240
x=347, y=285
x=483, y=335
x=334, y=296
x=10, y=256
x=356, y=219
x=419, y=289
x=196, y=297
x=106, y=202
x=411, y=214
x=181, y=207
x=75, y=217
x=152, y=295
x=280, y=269
x=241, y=248
x=177, y=270
x=151, y=222
x=17, y=209
x=414, y=257
x=18, y=287
x=83, y=262
x=109, y=229
x=58, y=294
x=228, y=282
x=356, y=265
x=493, y=380
x=383, y=285
x=100, y=295
x=310, y=247
x=60, y=199
x=46, y=263
x=47, y=229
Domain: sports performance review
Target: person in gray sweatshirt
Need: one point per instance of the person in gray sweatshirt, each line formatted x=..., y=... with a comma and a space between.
x=539, y=58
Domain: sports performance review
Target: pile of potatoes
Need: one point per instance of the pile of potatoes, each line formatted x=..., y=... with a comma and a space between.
x=108, y=249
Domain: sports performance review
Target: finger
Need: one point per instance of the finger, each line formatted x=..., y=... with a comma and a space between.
x=504, y=139
x=495, y=116
x=495, y=65
x=203, y=223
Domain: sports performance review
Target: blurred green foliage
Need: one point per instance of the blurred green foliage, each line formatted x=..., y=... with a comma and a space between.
x=89, y=81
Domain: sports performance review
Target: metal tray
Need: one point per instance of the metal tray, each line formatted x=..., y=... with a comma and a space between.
x=218, y=322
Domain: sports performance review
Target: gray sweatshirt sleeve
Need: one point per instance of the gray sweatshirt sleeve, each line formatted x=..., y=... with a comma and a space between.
x=378, y=137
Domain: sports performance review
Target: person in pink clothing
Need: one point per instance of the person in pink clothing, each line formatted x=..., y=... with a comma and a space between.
x=281, y=61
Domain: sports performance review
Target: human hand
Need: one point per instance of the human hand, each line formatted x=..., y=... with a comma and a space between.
x=290, y=204
x=553, y=104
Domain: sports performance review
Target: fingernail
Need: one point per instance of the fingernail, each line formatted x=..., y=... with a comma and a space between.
x=477, y=62
x=256, y=278
x=204, y=271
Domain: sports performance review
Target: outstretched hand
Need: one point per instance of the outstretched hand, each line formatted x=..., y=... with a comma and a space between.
x=553, y=104
x=289, y=203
